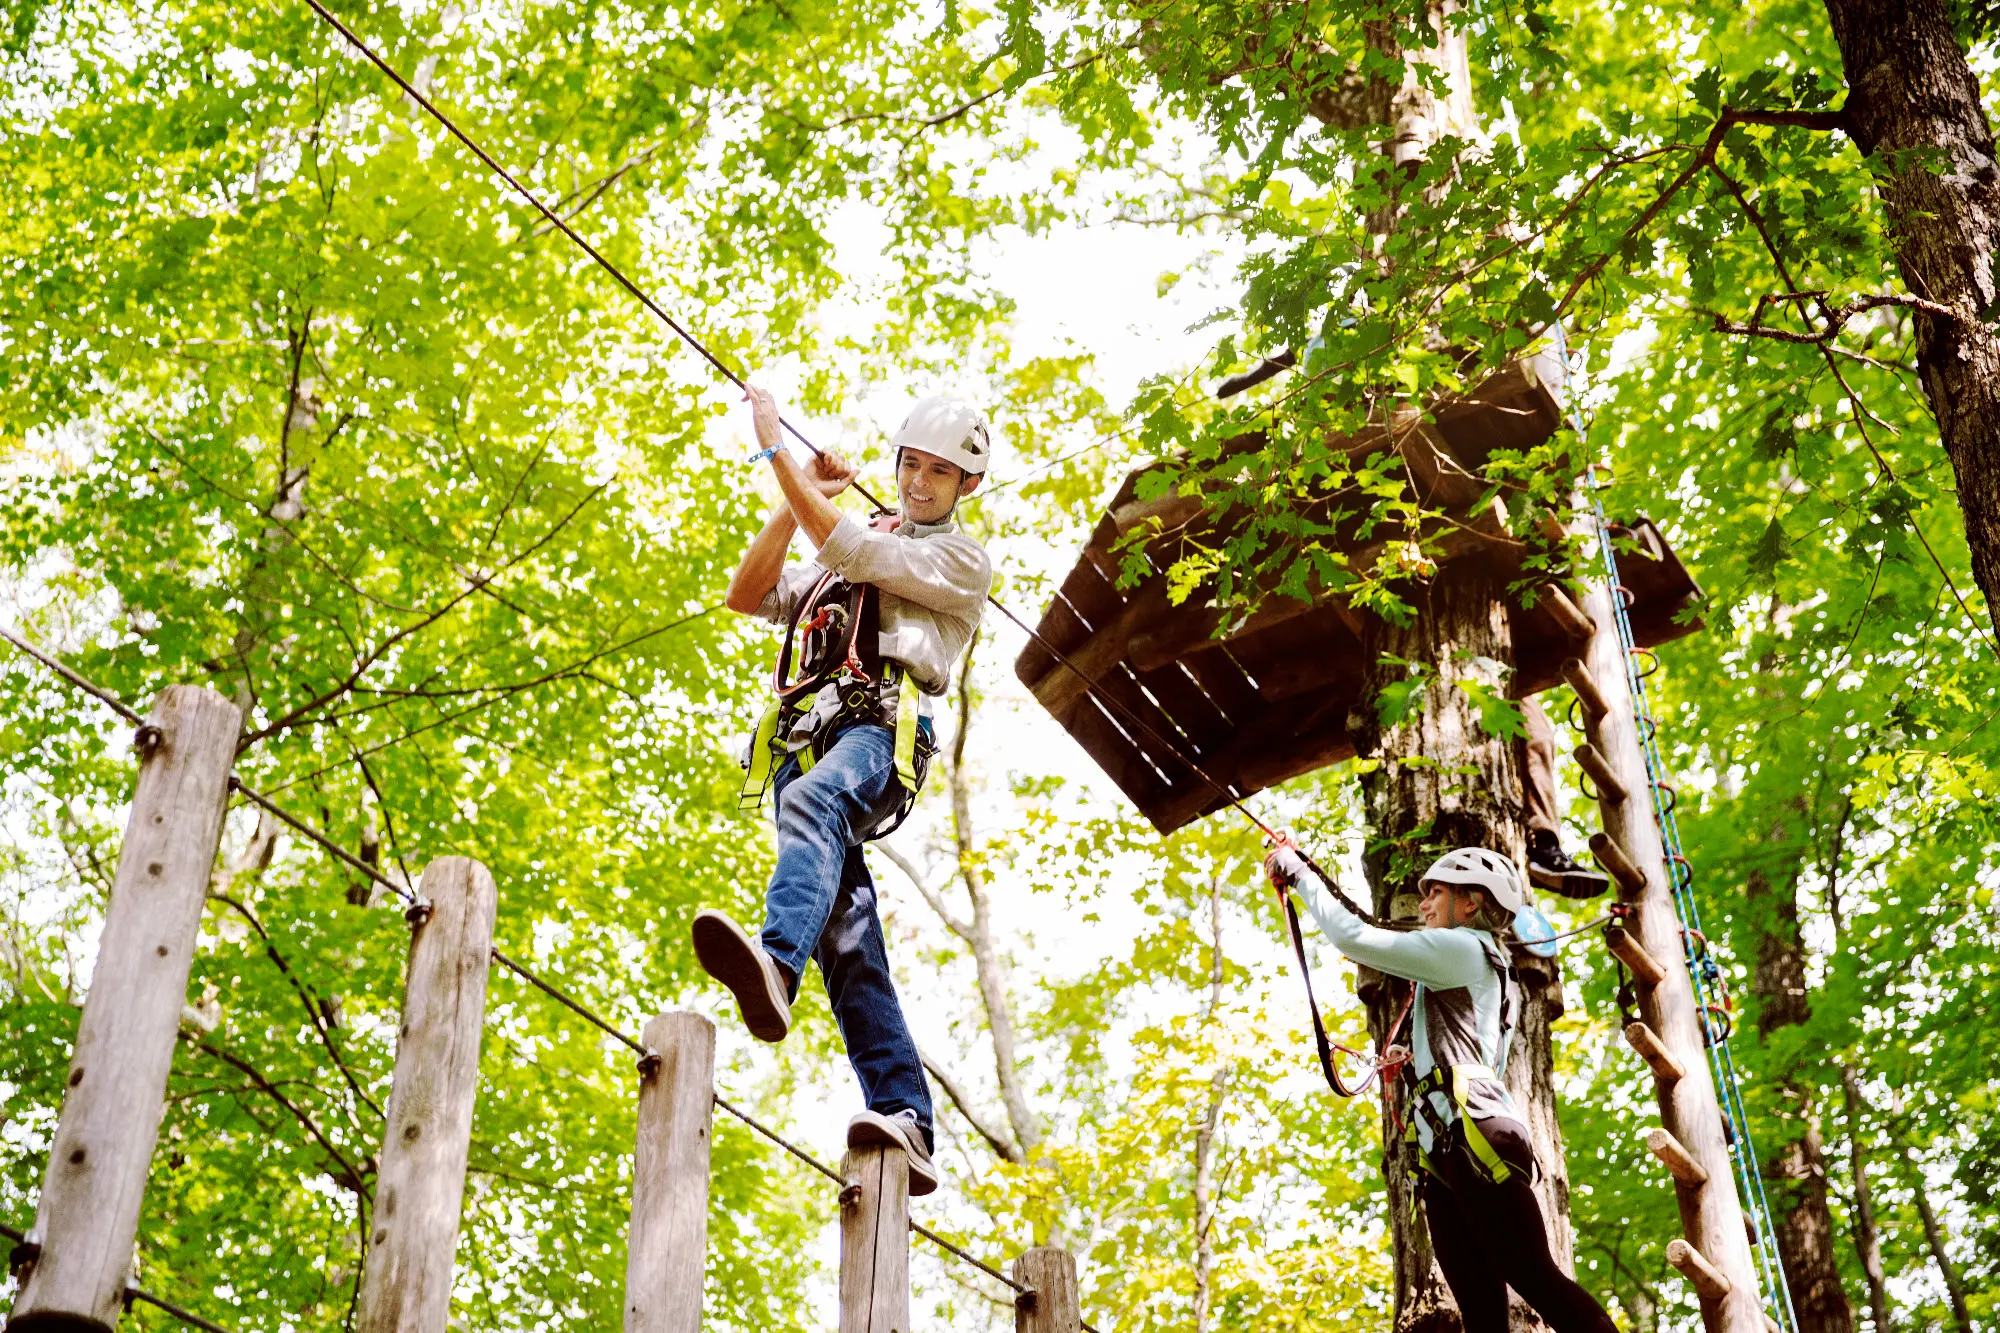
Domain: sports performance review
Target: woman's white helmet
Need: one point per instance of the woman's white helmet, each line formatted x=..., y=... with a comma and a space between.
x=1481, y=869
x=950, y=429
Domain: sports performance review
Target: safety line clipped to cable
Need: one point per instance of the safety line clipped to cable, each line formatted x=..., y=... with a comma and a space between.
x=722, y=368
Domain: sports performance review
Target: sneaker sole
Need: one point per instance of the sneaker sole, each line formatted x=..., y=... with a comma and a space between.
x=735, y=960
x=923, y=1173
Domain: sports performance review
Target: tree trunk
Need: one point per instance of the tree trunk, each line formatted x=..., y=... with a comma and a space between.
x=1436, y=780
x=1796, y=1166
x=1913, y=105
x=1204, y=1139
x=1867, y=1241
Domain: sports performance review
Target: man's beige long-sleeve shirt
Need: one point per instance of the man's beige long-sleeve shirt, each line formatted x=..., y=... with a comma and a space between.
x=933, y=579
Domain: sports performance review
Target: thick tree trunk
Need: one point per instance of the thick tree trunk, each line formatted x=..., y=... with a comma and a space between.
x=1796, y=1166
x=1913, y=105
x=1437, y=780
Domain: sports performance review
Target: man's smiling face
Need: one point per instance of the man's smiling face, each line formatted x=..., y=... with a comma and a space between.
x=929, y=485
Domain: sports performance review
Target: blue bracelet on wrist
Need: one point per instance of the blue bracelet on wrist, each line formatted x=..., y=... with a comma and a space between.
x=762, y=454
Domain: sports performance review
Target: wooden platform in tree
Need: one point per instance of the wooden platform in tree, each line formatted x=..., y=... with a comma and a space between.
x=1271, y=700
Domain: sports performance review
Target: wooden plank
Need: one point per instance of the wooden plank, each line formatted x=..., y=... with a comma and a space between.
x=875, y=1241
x=1680, y=1163
x=666, y=1250
x=1709, y=1282
x=1593, y=763
x=1654, y=1052
x=1060, y=629
x=420, y=1184
x=1197, y=715
x=1104, y=741
x=1099, y=656
x=1579, y=678
x=1645, y=968
x=88, y=1215
x=1631, y=880
x=1053, y=1308
x=1223, y=679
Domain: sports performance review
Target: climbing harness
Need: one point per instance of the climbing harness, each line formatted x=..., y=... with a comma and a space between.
x=1453, y=1129
x=835, y=636
x=1710, y=994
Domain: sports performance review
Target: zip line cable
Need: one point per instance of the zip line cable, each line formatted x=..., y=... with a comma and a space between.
x=1096, y=690
x=415, y=906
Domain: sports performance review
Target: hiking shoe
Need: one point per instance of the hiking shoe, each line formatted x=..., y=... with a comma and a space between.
x=752, y=976
x=872, y=1129
x=1552, y=868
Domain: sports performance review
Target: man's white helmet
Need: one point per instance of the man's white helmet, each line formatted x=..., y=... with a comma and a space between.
x=1481, y=869
x=948, y=428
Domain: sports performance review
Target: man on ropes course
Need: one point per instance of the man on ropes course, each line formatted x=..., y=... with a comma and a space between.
x=877, y=620
x=1477, y=1160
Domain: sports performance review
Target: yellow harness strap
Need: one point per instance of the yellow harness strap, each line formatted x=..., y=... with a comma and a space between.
x=906, y=733
x=1458, y=1081
x=764, y=749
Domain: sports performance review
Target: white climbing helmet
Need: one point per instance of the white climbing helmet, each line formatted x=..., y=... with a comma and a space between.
x=1481, y=869
x=950, y=429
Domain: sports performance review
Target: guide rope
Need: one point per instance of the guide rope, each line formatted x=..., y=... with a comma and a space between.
x=1091, y=685
x=1706, y=974
x=415, y=907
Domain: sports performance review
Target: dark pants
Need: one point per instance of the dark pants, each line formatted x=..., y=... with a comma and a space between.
x=1538, y=769
x=821, y=905
x=1491, y=1237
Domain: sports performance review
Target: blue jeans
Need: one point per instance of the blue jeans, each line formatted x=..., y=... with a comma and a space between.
x=821, y=905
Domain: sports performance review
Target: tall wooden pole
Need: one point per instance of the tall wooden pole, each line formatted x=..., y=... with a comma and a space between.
x=1053, y=1309
x=875, y=1241
x=420, y=1183
x=1711, y=1213
x=667, y=1248
x=88, y=1217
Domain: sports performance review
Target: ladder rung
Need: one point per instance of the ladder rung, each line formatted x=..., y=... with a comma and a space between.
x=1679, y=1161
x=1631, y=880
x=1593, y=762
x=1645, y=968
x=1573, y=621
x=1703, y=1276
x=1595, y=705
x=1654, y=1052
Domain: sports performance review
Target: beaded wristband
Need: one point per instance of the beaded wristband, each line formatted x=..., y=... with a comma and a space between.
x=761, y=455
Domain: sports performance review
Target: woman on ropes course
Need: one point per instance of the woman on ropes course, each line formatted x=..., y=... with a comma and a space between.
x=1478, y=1161
x=879, y=617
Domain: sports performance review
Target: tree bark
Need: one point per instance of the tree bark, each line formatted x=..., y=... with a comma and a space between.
x=1913, y=105
x=1867, y=1240
x=1796, y=1166
x=1436, y=780
x=1934, y=1236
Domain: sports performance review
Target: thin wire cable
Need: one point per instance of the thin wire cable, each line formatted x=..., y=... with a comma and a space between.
x=525, y=973
x=133, y=1293
x=98, y=693
x=721, y=368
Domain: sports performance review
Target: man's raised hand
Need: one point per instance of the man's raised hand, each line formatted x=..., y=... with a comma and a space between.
x=831, y=473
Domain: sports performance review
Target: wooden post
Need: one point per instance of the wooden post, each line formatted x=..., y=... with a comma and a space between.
x=1054, y=1307
x=420, y=1182
x=1579, y=678
x=875, y=1241
x=667, y=1249
x=1712, y=1216
x=88, y=1218
x=1632, y=881
x=1654, y=1052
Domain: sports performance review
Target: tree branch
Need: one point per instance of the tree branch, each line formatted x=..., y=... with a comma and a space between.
x=1000, y=1143
x=958, y=927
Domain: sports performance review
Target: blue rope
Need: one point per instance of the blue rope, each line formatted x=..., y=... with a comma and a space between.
x=1701, y=965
